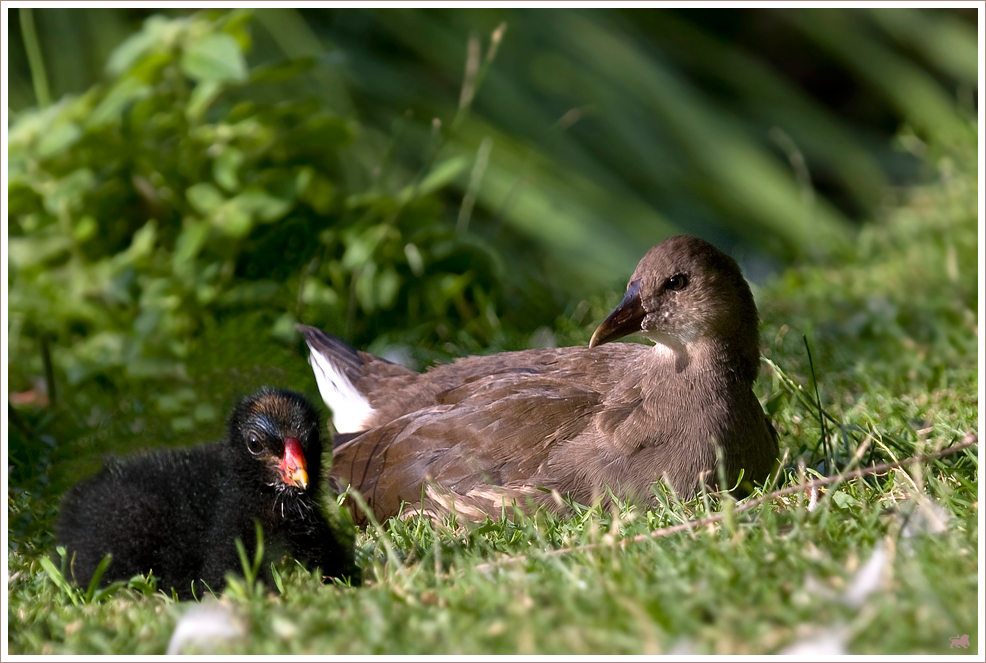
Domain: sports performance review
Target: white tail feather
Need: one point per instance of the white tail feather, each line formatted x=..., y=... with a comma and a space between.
x=350, y=410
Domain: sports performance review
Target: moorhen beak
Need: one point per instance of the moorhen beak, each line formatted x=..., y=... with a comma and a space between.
x=625, y=318
x=293, y=466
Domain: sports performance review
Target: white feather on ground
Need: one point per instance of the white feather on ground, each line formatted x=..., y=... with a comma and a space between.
x=203, y=627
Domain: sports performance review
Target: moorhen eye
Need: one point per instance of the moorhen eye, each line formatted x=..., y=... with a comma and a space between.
x=253, y=444
x=676, y=282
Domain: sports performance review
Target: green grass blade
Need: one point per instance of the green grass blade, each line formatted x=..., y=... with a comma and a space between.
x=56, y=577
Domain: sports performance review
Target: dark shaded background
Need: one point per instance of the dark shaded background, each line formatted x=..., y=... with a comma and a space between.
x=773, y=130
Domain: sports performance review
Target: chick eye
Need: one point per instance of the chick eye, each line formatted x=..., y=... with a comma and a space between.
x=676, y=282
x=253, y=444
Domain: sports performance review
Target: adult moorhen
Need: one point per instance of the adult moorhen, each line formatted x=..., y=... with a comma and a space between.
x=506, y=429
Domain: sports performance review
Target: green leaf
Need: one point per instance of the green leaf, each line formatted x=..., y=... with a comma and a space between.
x=26, y=252
x=94, y=354
x=205, y=412
x=278, y=581
x=56, y=577
x=235, y=24
x=364, y=287
x=316, y=292
x=242, y=111
x=215, y=57
x=361, y=245
x=318, y=136
x=183, y=424
x=189, y=243
x=205, y=198
x=250, y=570
x=225, y=167
x=386, y=286
x=97, y=576
x=254, y=293
x=844, y=500
x=85, y=228
x=775, y=402
x=202, y=97
x=149, y=69
x=146, y=585
x=141, y=246
x=439, y=176
x=443, y=289
x=127, y=54
x=176, y=401
x=261, y=205
x=119, y=97
x=59, y=139
x=285, y=329
x=68, y=193
x=271, y=73
x=232, y=221
x=320, y=193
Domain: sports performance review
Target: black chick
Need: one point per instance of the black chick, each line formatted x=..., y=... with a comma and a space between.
x=178, y=513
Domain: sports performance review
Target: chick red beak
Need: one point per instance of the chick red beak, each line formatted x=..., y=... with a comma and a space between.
x=292, y=468
x=625, y=318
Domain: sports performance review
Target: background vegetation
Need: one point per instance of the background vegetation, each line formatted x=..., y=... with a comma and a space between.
x=427, y=184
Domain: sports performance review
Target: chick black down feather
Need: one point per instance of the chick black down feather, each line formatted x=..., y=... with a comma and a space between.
x=179, y=513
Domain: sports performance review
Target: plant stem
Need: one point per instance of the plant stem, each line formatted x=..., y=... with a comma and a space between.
x=34, y=58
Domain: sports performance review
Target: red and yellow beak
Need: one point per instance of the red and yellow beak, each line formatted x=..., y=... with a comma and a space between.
x=292, y=468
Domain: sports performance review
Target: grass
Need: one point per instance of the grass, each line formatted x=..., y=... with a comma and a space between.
x=892, y=326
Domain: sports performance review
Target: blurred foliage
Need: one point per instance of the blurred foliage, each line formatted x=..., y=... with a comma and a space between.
x=612, y=128
x=602, y=131
x=175, y=193
x=168, y=226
